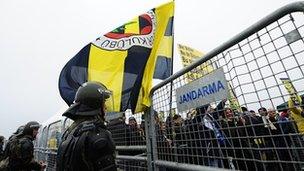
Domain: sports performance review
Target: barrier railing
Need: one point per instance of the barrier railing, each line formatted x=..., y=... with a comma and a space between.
x=263, y=70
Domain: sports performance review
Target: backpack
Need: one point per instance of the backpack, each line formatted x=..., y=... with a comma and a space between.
x=72, y=142
x=14, y=152
x=15, y=149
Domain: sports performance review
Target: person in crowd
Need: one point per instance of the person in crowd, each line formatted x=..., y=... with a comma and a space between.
x=287, y=126
x=164, y=144
x=252, y=112
x=1, y=147
x=244, y=109
x=21, y=157
x=121, y=137
x=201, y=141
x=87, y=144
x=179, y=139
x=169, y=128
x=120, y=131
x=254, y=129
x=142, y=126
x=297, y=113
x=272, y=140
x=136, y=136
x=233, y=133
x=268, y=131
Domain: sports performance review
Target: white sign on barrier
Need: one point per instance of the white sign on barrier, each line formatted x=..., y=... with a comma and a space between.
x=204, y=90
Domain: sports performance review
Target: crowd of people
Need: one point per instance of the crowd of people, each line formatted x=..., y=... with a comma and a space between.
x=246, y=141
x=222, y=137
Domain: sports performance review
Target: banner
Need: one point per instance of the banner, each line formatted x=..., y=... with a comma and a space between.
x=125, y=60
x=233, y=101
x=190, y=55
x=295, y=98
x=204, y=90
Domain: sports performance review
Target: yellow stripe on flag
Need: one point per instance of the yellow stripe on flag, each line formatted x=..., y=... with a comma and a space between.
x=107, y=67
x=165, y=48
x=163, y=14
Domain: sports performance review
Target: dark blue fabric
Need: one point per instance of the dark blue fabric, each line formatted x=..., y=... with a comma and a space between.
x=135, y=64
x=162, y=68
x=74, y=74
x=169, y=28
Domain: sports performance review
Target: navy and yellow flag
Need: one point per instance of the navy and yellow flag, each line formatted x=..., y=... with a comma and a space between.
x=125, y=60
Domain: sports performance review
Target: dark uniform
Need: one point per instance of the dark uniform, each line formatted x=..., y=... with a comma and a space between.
x=1, y=147
x=11, y=138
x=87, y=144
x=21, y=151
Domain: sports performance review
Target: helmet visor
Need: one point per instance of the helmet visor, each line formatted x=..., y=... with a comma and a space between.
x=109, y=100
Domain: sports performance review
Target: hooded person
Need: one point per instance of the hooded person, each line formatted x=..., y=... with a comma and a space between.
x=21, y=152
x=87, y=144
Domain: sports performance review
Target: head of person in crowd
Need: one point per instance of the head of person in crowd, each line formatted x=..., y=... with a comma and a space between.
x=92, y=100
x=229, y=114
x=177, y=120
x=156, y=118
x=272, y=113
x=244, y=109
x=169, y=121
x=132, y=122
x=191, y=114
x=211, y=109
x=142, y=123
x=262, y=111
x=162, y=125
x=252, y=112
x=285, y=113
x=202, y=109
x=31, y=129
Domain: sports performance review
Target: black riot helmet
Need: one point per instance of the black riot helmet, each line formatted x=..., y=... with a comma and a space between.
x=89, y=100
x=29, y=127
x=19, y=130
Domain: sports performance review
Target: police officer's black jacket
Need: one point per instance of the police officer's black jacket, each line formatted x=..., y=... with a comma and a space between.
x=86, y=146
x=21, y=156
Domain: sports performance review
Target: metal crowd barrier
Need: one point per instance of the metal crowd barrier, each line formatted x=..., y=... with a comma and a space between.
x=218, y=136
x=267, y=133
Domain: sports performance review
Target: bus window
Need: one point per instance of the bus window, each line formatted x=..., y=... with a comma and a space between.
x=67, y=123
x=54, y=135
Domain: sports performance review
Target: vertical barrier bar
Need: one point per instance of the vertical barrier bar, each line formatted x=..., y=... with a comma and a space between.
x=148, y=139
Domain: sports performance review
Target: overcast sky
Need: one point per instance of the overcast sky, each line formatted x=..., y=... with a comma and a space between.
x=38, y=37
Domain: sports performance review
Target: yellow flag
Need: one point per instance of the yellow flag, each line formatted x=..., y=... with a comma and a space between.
x=190, y=55
x=295, y=98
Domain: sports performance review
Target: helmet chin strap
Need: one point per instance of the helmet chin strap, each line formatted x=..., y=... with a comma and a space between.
x=101, y=115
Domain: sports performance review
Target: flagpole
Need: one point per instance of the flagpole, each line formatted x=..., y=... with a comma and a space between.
x=171, y=70
x=171, y=83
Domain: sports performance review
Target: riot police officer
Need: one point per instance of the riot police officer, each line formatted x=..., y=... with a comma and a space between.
x=21, y=157
x=12, y=138
x=87, y=144
x=1, y=147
